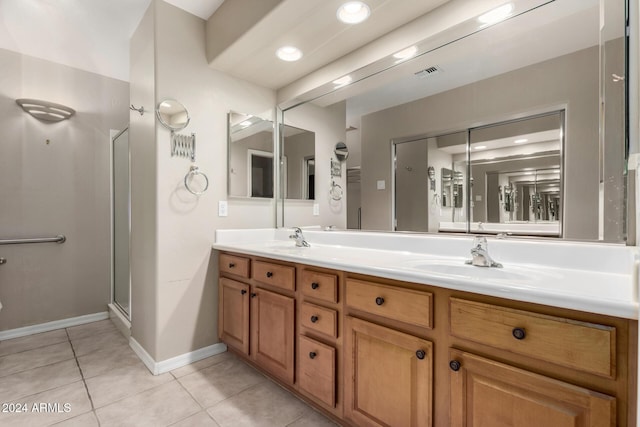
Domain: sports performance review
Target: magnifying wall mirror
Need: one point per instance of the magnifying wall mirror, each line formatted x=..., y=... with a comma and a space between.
x=341, y=151
x=172, y=114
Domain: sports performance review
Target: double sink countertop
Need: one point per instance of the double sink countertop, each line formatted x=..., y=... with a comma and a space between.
x=593, y=277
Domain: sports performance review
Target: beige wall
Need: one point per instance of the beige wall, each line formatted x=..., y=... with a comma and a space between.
x=56, y=188
x=296, y=148
x=238, y=158
x=574, y=86
x=175, y=290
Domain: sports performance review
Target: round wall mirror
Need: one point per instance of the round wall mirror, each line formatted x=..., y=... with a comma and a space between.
x=172, y=114
x=341, y=151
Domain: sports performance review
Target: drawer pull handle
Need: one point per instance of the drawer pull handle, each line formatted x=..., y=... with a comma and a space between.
x=519, y=333
x=315, y=285
x=314, y=319
x=420, y=354
x=379, y=300
x=253, y=295
x=244, y=291
x=312, y=355
x=269, y=274
x=231, y=265
x=454, y=365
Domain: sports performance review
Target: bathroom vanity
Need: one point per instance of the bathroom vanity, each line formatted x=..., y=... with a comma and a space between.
x=376, y=336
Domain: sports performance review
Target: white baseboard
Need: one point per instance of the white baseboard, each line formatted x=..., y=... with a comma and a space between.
x=52, y=326
x=158, y=368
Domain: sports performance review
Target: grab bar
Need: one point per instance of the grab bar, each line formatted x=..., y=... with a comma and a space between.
x=58, y=239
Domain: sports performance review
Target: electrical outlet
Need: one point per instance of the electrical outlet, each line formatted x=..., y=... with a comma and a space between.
x=223, y=208
x=381, y=184
x=316, y=209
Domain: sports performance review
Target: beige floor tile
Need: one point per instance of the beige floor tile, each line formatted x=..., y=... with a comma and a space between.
x=91, y=329
x=201, y=364
x=123, y=382
x=75, y=395
x=264, y=405
x=100, y=362
x=215, y=383
x=313, y=419
x=86, y=420
x=35, y=358
x=16, y=345
x=160, y=406
x=37, y=380
x=102, y=341
x=201, y=419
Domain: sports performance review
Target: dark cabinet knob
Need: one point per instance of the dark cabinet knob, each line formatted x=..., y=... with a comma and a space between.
x=231, y=265
x=420, y=354
x=519, y=333
x=312, y=355
x=253, y=295
x=315, y=285
x=314, y=319
x=244, y=291
x=379, y=300
x=454, y=365
x=269, y=274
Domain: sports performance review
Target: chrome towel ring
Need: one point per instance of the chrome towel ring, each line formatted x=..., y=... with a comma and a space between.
x=335, y=191
x=193, y=171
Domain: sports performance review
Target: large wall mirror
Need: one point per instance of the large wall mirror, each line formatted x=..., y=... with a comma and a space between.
x=250, y=149
x=493, y=128
x=298, y=163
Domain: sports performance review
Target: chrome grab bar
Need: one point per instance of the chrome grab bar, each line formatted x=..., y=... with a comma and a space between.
x=58, y=239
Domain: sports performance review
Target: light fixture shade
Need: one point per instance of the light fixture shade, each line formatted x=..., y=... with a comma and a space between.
x=45, y=110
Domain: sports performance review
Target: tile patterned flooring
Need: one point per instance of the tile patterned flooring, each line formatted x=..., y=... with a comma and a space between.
x=92, y=370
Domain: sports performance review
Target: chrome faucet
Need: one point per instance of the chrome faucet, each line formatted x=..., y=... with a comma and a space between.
x=299, y=238
x=480, y=254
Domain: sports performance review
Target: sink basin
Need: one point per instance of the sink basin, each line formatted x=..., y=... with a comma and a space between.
x=458, y=268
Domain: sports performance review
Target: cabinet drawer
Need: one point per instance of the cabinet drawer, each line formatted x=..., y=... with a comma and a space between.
x=322, y=286
x=281, y=276
x=578, y=345
x=405, y=305
x=319, y=319
x=317, y=364
x=234, y=264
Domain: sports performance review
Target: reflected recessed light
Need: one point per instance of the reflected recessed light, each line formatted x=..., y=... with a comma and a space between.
x=405, y=54
x=479, y=147
x=342, y=81
x=245, y=123
x=289, y=53
x=496, y=15
x=353, y=12
x=520, y=141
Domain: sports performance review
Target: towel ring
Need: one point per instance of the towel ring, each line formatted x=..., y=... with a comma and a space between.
x=336, y=191
x=193, y=171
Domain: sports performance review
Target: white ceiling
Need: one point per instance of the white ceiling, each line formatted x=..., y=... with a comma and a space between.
x=92, y=35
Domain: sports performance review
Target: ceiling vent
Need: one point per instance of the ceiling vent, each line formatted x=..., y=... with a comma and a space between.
x=428, y=72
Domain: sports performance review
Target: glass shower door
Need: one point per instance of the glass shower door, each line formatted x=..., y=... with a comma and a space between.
x=121, y=222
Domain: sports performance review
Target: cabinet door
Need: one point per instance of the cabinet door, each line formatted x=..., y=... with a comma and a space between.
x=491, y=394
x=233, y=314
x=388, y=376
x=273, y=332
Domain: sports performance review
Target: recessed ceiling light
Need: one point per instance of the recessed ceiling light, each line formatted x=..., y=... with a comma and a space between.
x=496, y=15
x=405, y=54
x=479, y=147
x=342, y=81
x=289, y=53
x=353, y=12
x=520, y=141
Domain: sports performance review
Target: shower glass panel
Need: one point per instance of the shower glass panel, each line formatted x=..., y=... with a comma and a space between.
x=121, y=221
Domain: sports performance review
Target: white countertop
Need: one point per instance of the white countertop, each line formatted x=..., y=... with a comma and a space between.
x=593, y=277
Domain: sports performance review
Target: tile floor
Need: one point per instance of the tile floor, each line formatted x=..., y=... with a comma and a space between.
x=95, y=379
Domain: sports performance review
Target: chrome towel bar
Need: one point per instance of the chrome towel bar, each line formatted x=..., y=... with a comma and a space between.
x=58, y=239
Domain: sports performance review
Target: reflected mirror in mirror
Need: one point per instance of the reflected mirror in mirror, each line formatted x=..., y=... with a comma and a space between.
x=479, y=80
x=341, y=151
x=298, y=163
x=515, y=165
x=250, y=149
x=172, y=114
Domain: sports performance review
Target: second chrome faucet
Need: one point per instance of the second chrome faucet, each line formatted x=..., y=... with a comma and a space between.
x=480, y=254
x=299, y=238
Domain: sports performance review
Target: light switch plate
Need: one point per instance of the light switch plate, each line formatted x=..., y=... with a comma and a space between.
x=381, y=184
x=316, y=209
x=223, y=208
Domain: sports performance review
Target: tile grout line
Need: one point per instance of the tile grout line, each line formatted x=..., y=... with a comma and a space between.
x=195, y=400
x=84, y=382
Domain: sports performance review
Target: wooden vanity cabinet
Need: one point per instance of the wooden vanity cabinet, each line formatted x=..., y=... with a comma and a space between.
x=233, y=314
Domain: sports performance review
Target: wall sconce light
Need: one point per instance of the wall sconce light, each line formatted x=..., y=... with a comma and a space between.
x=45, y=110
